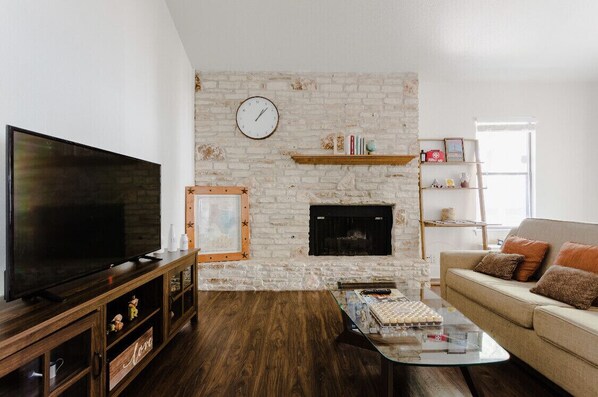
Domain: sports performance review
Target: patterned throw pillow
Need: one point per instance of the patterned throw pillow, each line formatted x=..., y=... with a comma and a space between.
x=579, y=256
x=499, y=265
x=569, y=285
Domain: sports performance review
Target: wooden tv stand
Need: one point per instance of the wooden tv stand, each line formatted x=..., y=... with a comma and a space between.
x=74, y=338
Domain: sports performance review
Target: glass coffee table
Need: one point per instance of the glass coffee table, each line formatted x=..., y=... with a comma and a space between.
x=408, y=338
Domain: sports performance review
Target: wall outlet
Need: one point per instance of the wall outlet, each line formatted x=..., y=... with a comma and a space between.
x=431, y=259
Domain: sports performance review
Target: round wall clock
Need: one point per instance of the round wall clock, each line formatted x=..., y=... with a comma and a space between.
x=257, y=117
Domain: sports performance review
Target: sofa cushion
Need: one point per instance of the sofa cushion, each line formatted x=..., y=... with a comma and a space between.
x=507, y=298
x=533, y=252
x=570, y=285
x=570, y=329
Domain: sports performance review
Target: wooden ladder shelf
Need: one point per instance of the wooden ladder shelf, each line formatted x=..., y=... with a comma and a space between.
x=481, y=223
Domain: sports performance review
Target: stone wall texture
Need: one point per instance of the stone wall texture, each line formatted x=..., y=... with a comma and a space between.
x=313, y=107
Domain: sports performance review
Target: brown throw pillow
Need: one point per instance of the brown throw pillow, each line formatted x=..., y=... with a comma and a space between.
x=569, y=285
x=499, y=265
x=533, y=251
x=579, y=256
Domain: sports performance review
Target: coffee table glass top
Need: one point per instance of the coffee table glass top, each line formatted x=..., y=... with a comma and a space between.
x=457, y=341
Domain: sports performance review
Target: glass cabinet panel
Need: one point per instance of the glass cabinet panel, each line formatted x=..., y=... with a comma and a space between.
x=26, y=381
x=187, y=276
x=79, y=389
x=175, y=283
x=69, y=359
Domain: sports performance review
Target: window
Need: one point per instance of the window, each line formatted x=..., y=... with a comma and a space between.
x=507, y=152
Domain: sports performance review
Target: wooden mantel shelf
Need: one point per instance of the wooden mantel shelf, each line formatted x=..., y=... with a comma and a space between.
x=342, y=159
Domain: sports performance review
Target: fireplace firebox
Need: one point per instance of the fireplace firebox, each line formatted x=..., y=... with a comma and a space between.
x=350, y=230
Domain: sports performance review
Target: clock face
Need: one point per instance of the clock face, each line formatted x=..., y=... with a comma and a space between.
x=257, y=117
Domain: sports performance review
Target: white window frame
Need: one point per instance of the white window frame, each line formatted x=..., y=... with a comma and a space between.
x=526, y=127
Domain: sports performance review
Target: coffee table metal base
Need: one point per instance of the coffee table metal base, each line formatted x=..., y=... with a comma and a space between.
x=387, y=379
x=351, y=337
x=469, y=381
x=387, y=376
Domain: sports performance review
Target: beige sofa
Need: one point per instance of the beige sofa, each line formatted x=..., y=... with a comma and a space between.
x=556, y=339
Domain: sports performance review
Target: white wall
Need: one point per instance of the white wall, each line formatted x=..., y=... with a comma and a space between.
x=566, y=142
x=111, y=74
x=456, y=39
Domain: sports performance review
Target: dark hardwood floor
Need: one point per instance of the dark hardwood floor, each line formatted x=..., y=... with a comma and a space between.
x=283, y=344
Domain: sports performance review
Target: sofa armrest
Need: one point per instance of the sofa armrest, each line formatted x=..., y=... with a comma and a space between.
x=458, y=260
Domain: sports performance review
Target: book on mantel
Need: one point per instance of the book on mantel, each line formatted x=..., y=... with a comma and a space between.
x=355, y=145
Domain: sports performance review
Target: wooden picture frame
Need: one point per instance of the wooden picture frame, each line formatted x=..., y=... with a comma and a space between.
x=221, y=214
x=454, y=149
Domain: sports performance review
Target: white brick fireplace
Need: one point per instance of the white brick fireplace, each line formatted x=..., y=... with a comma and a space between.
x=313, y=107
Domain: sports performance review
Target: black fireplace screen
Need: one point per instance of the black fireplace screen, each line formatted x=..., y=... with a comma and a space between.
x=350, y=230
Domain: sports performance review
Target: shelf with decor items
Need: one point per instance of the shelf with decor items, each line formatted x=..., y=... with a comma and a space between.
x=351, y=159
x=468, y=156
x=182, y=299
x=457, y=223
x=451, y=188
x=148, y=298
x=70, y=348
x=453, y=163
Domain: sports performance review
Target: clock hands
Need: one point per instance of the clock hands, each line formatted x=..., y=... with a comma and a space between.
x=262, y=112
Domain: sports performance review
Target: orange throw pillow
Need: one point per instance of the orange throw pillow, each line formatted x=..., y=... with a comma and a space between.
x=532, y=250
x=579, y=256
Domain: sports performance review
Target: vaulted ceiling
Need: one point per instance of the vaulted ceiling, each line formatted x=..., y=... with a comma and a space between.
x=531, y=40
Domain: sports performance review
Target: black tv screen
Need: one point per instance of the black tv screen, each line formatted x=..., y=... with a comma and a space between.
x=73, y=210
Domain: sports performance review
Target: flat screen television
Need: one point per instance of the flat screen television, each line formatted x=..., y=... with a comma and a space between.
x=73, y=210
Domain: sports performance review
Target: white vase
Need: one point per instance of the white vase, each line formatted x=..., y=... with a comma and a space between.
x=172, y=243
x=184, y=242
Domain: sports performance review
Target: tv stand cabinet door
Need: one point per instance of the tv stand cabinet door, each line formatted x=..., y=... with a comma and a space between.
x=76, y=352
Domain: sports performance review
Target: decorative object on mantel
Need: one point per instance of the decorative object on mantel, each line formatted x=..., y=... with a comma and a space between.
x=329, y=141
x=450, y=182
x=436, y=184
x=371, y=146
x=338, y=144
x=217, y=222
x=374, y=159
x=447, y=214
x=454, y=149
